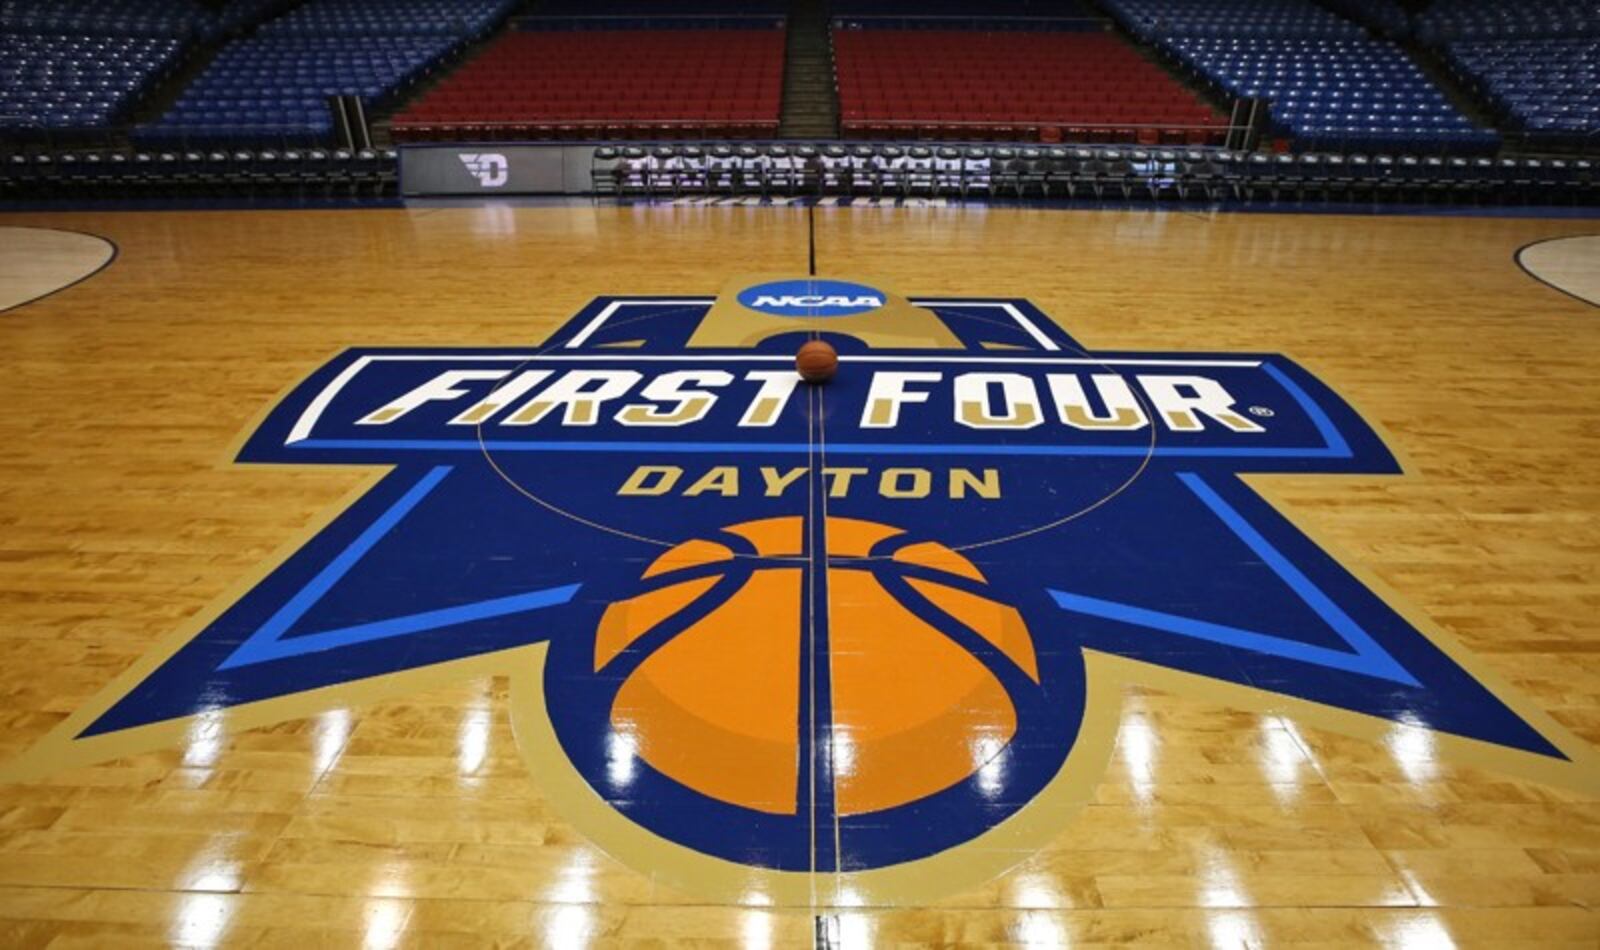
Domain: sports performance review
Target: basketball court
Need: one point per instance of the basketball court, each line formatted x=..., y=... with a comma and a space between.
x=1016, y=631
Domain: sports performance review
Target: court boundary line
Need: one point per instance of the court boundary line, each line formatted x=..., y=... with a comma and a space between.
x=1516, y=258
x=116, y=252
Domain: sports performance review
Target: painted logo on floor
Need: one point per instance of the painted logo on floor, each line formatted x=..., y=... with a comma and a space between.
x=758, y=629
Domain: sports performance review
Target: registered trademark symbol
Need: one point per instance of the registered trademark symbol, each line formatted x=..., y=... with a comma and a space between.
x=1261, y=411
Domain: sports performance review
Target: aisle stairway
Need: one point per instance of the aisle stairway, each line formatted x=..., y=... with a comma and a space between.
x=810, y=106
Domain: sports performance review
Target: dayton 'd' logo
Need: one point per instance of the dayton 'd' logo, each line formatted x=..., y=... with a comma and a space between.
x=757, y=630
x=490, y=168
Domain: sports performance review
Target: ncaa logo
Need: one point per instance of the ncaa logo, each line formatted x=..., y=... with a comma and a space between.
x=812, y=298
x=490, y=168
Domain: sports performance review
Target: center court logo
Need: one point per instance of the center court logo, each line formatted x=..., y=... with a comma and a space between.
x=812, y=298
x=490, y=168
x=858, y=643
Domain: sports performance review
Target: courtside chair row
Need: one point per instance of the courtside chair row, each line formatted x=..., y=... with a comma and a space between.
x=166, y=173
x=890, y=170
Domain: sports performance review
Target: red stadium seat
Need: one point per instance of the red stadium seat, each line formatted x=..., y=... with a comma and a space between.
x=1011, y=85
x=608, y=83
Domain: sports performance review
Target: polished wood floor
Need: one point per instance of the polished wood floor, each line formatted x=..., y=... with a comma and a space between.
x=414, y=821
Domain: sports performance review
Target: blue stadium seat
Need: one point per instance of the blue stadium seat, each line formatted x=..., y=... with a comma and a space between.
x=1330, y=85
x=54, y=83
x=1547, y=88
x=1447, y=20
x=271, y=88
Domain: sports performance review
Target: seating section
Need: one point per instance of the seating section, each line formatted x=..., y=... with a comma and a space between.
x=1233, y=19
x=1339, y=94
x=120, y=18
x=272, y=87
x=1054, y=9
x=54, y=84
x=1384, y=17
x=1011, y=85
x=1446, y=20
x=967, y=15
x=1330, y=86
x=79, y=66
x=613, y=83
x=1548, y=89
x=386, y=18
x=650, y=8
x=1535, y=63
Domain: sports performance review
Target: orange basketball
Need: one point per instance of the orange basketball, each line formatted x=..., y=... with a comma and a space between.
x=719, y=707
x=816, y=361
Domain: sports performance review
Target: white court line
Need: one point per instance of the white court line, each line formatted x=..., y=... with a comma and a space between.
x=308, y=419
x=615, y=305
x=1017, y=315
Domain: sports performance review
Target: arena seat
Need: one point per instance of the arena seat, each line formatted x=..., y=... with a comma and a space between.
x=602, y=9
x=81, y=65
x=1548, y=89
x=1448, y=20
x=937, y=9
x=1536, y=64
x=668, y=83
x=1233, y=19
x=272, y=87
x=1384, y=17
x=1011, y=85
x=1330, y=85
x=52, y=84
x=119, y=18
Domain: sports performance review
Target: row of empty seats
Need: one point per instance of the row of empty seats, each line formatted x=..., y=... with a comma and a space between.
x=358, y=19
x=1029, y=85
x=51, y=84
x=573, y=84
x=1548, y=89
x=276, y=89
x=178, y=19
x=1233, y=19
x=1328, y=83
x=1446, y=20
x=1338, y=93
x=121, y=18
x=1384, y=17
x=273, y=86
x=644, y=8
x=895, y=171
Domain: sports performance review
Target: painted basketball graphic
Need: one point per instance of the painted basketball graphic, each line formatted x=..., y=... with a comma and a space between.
x=717, y=695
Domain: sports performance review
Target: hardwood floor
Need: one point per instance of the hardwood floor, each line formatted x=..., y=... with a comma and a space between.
x=415, y=820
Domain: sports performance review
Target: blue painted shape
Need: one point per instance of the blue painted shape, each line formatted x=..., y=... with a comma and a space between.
x=1369, y=658
x=268, y=643
x=1184, y=541
x=259, y=650
x=1229, y=636
x=1337, y=446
